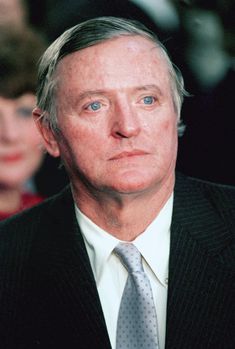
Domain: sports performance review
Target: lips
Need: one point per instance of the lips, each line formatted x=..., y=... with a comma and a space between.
x=11, y=158
x=128, y=154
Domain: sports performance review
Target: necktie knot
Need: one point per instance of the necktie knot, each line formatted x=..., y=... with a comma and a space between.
x=129, y=256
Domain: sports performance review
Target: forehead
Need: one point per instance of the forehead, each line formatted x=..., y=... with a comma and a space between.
x=121, y=61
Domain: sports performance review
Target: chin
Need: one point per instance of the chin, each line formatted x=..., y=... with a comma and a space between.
x=16, y=181
x=11, y=184
x=130, y=185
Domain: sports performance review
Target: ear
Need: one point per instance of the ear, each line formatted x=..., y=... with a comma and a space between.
x=47, y=133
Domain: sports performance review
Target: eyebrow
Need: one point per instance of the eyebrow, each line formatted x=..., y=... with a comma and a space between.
x=90, y=93
x=149, y=87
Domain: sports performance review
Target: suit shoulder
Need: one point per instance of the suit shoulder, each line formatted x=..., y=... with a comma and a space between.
x=225, y=192
x=207, y=196
x=207, y=211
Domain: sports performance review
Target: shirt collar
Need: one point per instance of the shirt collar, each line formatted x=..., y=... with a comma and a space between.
x=153, y=243
x=99, y=243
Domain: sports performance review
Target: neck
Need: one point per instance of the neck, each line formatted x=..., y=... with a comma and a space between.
x=124, y=216
x=10, y=199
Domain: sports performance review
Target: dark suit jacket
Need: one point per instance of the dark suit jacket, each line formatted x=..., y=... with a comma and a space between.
x=48, y=296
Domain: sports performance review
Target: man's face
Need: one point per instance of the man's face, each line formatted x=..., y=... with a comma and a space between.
x=116, y=116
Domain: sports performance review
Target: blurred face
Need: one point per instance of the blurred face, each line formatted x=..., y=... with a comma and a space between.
x=116, y=116
x=12, y=12
x=20, y=150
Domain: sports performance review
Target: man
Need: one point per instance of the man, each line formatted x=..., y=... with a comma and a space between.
x=108, y=104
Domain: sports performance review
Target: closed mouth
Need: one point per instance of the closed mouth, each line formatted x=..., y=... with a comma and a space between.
x=128, y=154
x=11, y=157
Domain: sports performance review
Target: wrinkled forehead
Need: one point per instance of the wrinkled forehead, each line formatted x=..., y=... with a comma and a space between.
x=128, y=55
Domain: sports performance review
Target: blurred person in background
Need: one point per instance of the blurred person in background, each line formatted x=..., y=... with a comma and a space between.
x=21, y=150
x=13, y=13
x=50, y=177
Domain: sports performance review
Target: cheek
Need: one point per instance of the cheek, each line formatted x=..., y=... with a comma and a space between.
x=170, y=135
x=83, y=150
x=169, y=128
x=84, y=140
x=164, y=130
x=75, y=146
x=171, y=139
x=165, y=140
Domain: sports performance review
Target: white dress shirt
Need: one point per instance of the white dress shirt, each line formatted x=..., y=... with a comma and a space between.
x=111, y=275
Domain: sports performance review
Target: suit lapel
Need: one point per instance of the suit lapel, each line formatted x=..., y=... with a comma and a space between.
x=72, y=291
x=197, y=280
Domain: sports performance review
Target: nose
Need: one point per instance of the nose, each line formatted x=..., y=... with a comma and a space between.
x=125, y=122
x=9, y=130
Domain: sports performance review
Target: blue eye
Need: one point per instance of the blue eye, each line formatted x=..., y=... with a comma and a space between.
x=148, y=100
x=94, y=106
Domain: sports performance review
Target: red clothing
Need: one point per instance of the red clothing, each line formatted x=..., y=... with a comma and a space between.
x=27, y=200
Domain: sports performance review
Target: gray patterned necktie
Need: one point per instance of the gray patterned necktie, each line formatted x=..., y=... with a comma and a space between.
x=137, y=320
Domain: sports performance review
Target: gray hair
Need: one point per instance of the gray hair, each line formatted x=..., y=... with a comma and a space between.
x=90, y=33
